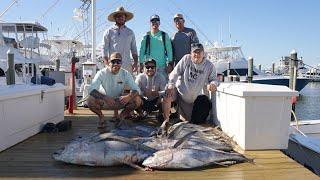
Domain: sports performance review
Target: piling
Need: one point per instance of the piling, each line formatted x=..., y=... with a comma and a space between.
x=272, y=69
x=10, y=76
x=293, y=70
x=57, y=64
x=250, y=69
x=259, y=67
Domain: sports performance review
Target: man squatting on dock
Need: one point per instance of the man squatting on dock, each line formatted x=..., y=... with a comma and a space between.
x=191, y=75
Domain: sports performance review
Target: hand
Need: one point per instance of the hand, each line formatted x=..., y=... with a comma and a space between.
x=106, y=60
x=169, y=92
x=124, y=99
x=110, y=101
x=169, y=68
x=211, y=87
x=134, y=67
x=147, y=93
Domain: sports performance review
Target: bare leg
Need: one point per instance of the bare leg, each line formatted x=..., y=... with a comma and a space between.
x=95, y=106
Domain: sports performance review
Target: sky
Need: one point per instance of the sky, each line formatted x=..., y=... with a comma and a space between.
x=266, y=30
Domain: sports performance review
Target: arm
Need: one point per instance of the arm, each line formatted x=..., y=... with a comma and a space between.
x=212, y=79
x=134, y=53
x=141, y=53
x=177, y=71
x=105, y=52
x=134, y=89
x=169, y=51
x=194, y=37
x=138, y=81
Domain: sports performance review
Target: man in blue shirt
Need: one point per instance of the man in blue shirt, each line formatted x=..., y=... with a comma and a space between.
x=114, y=80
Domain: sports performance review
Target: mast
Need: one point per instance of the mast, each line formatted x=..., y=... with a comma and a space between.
x=93, y=35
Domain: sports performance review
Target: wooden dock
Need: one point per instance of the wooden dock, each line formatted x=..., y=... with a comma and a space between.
x=31, y=159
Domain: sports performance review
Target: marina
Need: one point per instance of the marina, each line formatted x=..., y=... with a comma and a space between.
x=38, y=164
x=71, y=107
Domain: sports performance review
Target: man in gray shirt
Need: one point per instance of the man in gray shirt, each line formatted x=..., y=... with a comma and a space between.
x=120, y=38
x=186, y=82
x=182, y=39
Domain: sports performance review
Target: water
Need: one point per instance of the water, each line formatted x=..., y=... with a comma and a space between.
x=308, y=105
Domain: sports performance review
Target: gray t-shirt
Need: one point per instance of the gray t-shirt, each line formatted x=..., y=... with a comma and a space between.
x=190, y=78
x=181, y=43
x=157, y=83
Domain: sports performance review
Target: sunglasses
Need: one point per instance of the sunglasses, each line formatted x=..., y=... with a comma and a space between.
x=116, y=62
x=155, y=22
x=176, y=20
x=150, y=67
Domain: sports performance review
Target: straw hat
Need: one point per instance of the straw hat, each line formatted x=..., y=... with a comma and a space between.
x=120, y=10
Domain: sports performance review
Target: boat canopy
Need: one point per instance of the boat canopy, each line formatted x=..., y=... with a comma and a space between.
x=20, y=27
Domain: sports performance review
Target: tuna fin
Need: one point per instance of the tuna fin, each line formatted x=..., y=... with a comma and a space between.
x=184, y=138
x=172, y=130
x=129, y=164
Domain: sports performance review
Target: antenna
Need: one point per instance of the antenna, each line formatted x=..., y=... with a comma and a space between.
x=229, y=32
x=13, y=2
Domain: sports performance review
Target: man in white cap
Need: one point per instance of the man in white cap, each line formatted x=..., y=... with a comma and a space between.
x=186, y=82
x=119, y=38
x=182, y=39
x=113, y=80
x=156, y=45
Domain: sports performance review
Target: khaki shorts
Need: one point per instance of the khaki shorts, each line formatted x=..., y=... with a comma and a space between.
x=103, y=105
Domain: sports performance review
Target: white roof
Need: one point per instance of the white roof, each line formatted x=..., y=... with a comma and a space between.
x=22, y=27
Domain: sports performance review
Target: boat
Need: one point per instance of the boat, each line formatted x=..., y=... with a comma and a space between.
x=22, y=38
x=230, y=59
x=304, y=144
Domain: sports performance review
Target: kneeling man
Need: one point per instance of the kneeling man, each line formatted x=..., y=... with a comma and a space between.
x=113, y=80
x=186, y=82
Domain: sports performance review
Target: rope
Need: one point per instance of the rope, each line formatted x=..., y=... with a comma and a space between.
x=297, y=124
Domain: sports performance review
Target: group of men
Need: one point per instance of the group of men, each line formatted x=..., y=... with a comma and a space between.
x=171, y=70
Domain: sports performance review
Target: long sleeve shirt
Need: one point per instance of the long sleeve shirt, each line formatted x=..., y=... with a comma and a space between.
x=156, y=49
x=113, y=84
x=190, y=78
x=120, y=40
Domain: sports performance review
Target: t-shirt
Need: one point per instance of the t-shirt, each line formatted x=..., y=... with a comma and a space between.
x=181, y=43
x=157, y=82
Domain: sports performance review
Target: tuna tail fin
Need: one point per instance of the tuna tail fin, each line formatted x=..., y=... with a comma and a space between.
x=184, y=139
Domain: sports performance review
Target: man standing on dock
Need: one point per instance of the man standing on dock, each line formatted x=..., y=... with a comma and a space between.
x=182, y=39
x=186, y=82
x=113, y=80
x=120, y=38
x=156, y=45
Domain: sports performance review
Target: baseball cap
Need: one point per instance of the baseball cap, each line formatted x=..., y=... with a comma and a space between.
x=154, y=18
x=196, y=46
x=115, y=55
x=150, y=61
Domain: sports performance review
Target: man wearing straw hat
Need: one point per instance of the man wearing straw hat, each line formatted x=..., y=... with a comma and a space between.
x=120, y=38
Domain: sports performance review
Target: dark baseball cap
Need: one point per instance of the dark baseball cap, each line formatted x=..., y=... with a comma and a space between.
x=196, y=46
x=154, y=18
x=150, y=61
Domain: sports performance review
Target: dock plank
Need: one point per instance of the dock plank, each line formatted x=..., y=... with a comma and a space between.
x=32, y=159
